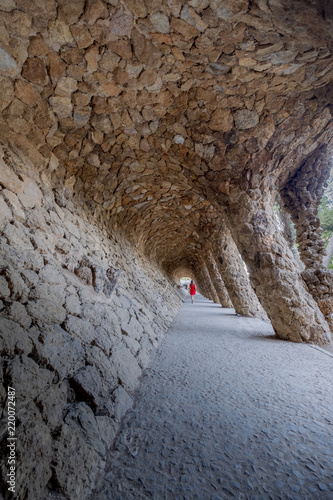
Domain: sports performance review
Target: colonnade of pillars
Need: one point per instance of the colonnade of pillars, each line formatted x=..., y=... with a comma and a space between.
x=298, y=303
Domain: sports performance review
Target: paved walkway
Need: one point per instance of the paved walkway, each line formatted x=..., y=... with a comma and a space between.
x=227, y=411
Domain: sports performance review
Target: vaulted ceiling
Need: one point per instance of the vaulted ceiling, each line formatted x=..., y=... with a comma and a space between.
x=149, y=111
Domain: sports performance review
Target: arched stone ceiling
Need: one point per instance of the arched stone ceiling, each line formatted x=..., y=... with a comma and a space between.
x=149, y=110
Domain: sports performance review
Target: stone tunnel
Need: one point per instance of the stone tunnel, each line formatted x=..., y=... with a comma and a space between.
x=145, y=140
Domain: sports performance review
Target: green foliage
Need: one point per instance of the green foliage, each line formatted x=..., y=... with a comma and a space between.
x=329, y=189
x=325, y=213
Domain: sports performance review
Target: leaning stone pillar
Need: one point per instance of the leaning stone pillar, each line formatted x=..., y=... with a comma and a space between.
x=230, y=266
x=200, y=282
x=211, y=292
x=211, y=288
x=273, y=270
x=301, y=198
x=217, y=280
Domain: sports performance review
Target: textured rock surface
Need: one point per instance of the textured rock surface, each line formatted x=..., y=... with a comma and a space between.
x=217, y=280
x=231, y=267
x=135, y=135
x=137, y=107
x=301, y=198
x=271, y=265
x=75, y=333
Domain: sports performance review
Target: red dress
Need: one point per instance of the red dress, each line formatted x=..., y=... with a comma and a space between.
x=192, y=289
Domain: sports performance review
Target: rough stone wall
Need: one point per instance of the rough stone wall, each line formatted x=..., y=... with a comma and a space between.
x=75, y=333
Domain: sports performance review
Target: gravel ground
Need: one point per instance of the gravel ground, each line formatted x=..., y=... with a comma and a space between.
x=225, y=410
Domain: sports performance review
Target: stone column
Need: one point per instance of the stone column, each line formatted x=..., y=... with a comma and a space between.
x=230, y=266
x=211, y=292
x=217, y=280
x=301, y=198
x=200, y=282
x=273, y=270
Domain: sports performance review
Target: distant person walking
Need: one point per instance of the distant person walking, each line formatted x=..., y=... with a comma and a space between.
x=192, y=290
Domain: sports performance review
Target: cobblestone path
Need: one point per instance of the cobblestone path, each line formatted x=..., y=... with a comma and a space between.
x=227, y=411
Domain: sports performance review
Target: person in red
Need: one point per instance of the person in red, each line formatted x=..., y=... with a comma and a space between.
x=192, y=290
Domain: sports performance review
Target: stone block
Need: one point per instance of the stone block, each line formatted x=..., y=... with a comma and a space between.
x=60, y=351
x=53, y=293
x=34, y=70
x=66, y=86
x=99, y=314
x=14, y=204
x=31, y=194
x=160, y=21
x=144, y=50
x=134, y=329
x=13, y=338
x=101, y=360
x=73, y=305
x=8, y=65
x=126, y=366
x=132, y=344
x=245, y=119
x=326, y=306
x=79, y=328
x=107, y=428
x=8, y=177
x=46, y=311
x=29, y=378
x=18, y=289
x=8, y=5
x=143, y=355
x=51, y=274
x=7, y=92
x=82, y=36
x=52, y=404
x=105, y=339
x=4, y=288
x=33, y=260
x=59, y=34
x=121, y=23
x=61, y=106
x=81, y=418
x=73, y=472
x=36, y=219
x=95, y=9
x=71, y=11
x=123, y=402
x=191, y=17
x=17, y=312
x=87, y=384
x=221, y=121
x=29, y=277
x=57, y=66
x=17, y=236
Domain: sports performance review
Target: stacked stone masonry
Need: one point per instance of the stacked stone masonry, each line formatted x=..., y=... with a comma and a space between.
x=217, y=280
x=80, y=314
x=138, y=135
